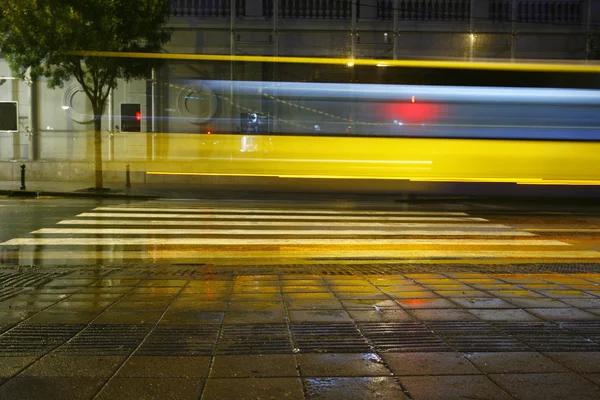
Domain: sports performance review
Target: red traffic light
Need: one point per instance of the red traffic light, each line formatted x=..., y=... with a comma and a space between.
x=138, y=116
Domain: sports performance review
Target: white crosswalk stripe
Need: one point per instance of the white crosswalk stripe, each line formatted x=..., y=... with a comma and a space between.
x=160, y=230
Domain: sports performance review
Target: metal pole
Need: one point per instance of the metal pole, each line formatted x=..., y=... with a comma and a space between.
x=153, y=102
x=232, y=51
x=275, y=106
x=588, y=41
x=128, y=177
x=395, y=33
x=513, y=34
x=22, y=176
x=33, y=120
x=471, y=33
x=353, y=32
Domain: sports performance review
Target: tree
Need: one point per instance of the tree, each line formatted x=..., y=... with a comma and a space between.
x=39, y=37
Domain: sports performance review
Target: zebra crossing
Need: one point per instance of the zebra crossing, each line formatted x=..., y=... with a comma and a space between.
x=167, y=231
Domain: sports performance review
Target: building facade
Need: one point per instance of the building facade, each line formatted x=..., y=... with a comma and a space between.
x=54, y=125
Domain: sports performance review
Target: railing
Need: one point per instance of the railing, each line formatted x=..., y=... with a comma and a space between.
x=312, y=9
x=206, y=8
x=425, y=10
x=565, y=12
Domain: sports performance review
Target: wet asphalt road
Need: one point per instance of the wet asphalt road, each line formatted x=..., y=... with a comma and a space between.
x=297, y=299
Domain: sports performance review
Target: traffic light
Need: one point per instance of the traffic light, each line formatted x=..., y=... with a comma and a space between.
x=131, y=117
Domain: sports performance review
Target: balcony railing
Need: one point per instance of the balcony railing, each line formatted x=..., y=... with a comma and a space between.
x=312, y=9
x=425, y=10
x=565, y=12
x=207, y=8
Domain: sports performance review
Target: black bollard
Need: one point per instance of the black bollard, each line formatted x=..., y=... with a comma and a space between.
x=22, y=176
x=128, y=177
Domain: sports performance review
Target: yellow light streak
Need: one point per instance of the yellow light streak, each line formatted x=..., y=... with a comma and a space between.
x=481, y=65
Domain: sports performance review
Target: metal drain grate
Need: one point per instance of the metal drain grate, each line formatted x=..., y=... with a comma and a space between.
x=8, y=292
x=560, y=343
x=180, y=340
x=27, y=279
x=402, y=337
x=36, y=339
x=476, y=336
x=587, y=328
x=100, y=339
x=530, y=328
x=250, y=339
x=328, y=338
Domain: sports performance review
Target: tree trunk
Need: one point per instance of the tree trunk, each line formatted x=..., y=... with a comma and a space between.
x=98, y=147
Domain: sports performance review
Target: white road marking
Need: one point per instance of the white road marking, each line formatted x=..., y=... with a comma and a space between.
x=214, y=254
x=212, y=210
x=278, y=217
x=271, y=242
x=92, y=222
x=175, y=231
x=560, y=229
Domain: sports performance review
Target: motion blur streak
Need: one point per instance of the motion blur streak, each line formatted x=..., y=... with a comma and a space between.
x=525, y=162
x=350, y=62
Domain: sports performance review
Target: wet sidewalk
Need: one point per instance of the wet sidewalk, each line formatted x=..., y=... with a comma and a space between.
x=385, y=331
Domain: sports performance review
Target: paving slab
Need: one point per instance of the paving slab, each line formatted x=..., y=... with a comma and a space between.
x=547, y=386
x=152, y=388
x=349, y=365
x=254, y=366
x=253, y=388
x=165, y=367
x=429, y=364
x=353, y=388
x=44, y=388
x=450, y=387
x=513, y=362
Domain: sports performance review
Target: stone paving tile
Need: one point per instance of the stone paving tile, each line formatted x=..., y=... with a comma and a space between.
x=450, y=387
x=503, y=315
x=469, y=294
x=547, y=386
x=151, y=388
x=319, y=316
x=128, y=305
x=22, y=305
x=513, y=362
x=251, y=317
x=305, y=289
x=185, y=305
x=314, y=305
x=436, y=303
x=381, y=315
x=128, y=317
x=349, y=365
x=75, y=366
x=353, y=388
x=165, y=367
x=369, y=304
x=423, y=294
x=583, y=362
x=593, y=303
x=536, y=302
x=442, y=315
x=192, y=317
x=10, y=366
x=253, y=388
x=63, y=317
x=254, y=366
x=361, y=296
x=308, y=296
x=44, y=388
x=429, y=364
x=479, y=302
x=255, y=297
x=561, y=314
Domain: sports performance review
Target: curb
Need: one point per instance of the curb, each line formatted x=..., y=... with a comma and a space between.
x=95, y=195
